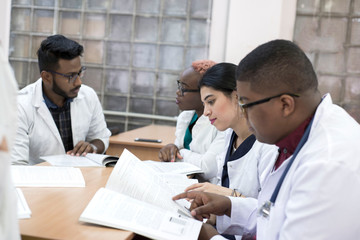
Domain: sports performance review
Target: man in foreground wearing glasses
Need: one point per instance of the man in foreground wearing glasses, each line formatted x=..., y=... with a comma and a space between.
x=197, y=141
x=313, y=189
x=57, y=114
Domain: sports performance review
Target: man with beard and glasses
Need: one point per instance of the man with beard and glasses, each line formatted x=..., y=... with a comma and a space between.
x=57, y=113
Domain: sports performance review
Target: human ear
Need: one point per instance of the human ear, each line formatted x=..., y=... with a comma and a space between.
x=288, y=105
x=46, y=77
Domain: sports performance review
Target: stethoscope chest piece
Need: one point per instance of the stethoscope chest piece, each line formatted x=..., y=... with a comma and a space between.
x=264, y=211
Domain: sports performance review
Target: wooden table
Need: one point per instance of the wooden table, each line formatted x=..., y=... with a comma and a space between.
x=143, y=150
x=55, y=211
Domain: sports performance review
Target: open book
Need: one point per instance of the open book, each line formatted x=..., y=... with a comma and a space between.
x=90, y=160
x=137, y=199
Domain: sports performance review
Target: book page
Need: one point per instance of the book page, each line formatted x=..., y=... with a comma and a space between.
x=173, y=167
x=178, y=182
x=23, y=210
x=116, y=210
x=65, y=160
x=102, y=159
x=47, y=176
x=135, y=179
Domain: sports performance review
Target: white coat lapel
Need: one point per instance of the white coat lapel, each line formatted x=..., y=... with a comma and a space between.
x=44, y=113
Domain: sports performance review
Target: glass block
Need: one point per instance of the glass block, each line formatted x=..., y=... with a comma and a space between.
x=173, y=30
x=355, y=31
x=95, y=25
x=331, y=62
x=166, y=108
x=336, y=6
x=115, y=103
x=199, y=32
x=93, y=78
x=73, y=4
x=146, y=29
x=21, y=73
x=200, y=8
x=20, y=19
x=132, y=125
x=305, y=33
x=167, y=86
x=167, y=123
x=124, y=6
x=353, y=61
x=146, y=6
x=143, y=83
x=21, y=2
x=308, y=6
x=144, y=55
x=353, y=109
x=34, y=72
x=19, y=46
x=117, y=81
x=93, y=51
x=196, y=53
x=97, y=5
x=171, y=57
x=36, y=42
x=70, y=23
x=356, y=8
x=352, y=89
x=118, y=54
x=332, y=85
x=175, y=7
x=43, y=21
x=333, y=33
x=120, y=27
x=45, y=3
x=141, y=105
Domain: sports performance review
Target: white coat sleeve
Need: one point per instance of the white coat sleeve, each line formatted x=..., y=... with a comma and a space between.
x=207, y=161
x=243, y=217
x=98, y=128
x=20, y=150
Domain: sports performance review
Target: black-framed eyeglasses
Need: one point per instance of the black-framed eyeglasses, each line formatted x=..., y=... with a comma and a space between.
x=244, y=106
x=72, y=78
x=183, y=90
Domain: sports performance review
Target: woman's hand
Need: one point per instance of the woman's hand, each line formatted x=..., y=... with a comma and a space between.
x=208, y=187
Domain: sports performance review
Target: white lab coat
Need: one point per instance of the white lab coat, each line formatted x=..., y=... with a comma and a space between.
x=207, y=142
x=9, y=228
x=245, y=173
x=319, y=198
x=38, y=135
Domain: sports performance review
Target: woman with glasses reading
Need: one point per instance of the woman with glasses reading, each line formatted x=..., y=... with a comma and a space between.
x=197, y=141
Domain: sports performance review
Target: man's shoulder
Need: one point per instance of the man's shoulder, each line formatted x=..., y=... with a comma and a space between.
x=86, y=92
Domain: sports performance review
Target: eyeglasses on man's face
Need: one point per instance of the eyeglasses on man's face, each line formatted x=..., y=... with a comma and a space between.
x=183, y=90
x=71, y=78
x=245, y=106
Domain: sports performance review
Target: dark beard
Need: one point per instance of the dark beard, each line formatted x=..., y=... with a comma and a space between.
x=58, y=90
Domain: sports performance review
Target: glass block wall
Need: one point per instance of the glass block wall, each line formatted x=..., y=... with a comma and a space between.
x=329, y=32
x=134, y=49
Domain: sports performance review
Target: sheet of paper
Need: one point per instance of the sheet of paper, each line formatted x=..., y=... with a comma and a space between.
x=135, y=179
x=47, y=176
x=116, y=210
x=173, y=167
x=71, y=161
x=23, y=210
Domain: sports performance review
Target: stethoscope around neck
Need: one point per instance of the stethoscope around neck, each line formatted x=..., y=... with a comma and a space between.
x=266, y=207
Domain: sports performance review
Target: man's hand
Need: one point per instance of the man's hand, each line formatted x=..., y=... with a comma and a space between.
x=169, y=153
x=209, y=187
x=204, y=204
x=81, y=149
